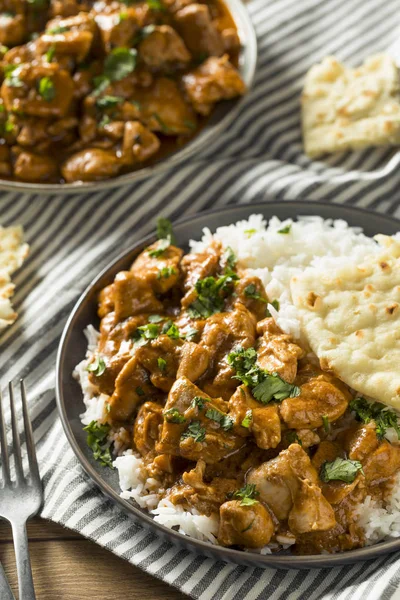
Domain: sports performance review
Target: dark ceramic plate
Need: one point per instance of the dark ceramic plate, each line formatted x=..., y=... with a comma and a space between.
x=73, y=346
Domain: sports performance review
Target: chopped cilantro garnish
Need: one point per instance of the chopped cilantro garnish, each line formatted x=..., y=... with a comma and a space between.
x=120, y=63
x=199, y=402
x=108, y=101
x=211, y=293
x=247, y=494
x=50, y=54
x=57, y=29
x=230, y=257
x=285, y=229
x=250, y=232
x=140, y=391
x=340, y=469
x=105, y=120
x=162, y=364
x=225, y=421
x=97, y=367
x=166, y=272
x=156, y=5
x=12, y=73
x=189, y=124
x=172, y=415
x=376, y=411
x=161, y=247
x=251, y=292
x=142, y=34
x=155, y=319
x=145, y=333
x=325, y=423
x=191, y=333
x=293, y=438
x=171, y=330
x=97, y=441
x=248, y=419
x=46, y=89
x=195, y=431
x=265, y=386
x=164, y=230
x=275, y=304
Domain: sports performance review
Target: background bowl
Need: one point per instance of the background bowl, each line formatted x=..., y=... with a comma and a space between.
x=73, y=347
x=224, y=113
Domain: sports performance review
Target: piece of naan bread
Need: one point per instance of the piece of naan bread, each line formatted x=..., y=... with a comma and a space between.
x=351, y=319
x=350, y=109
x=13, y=251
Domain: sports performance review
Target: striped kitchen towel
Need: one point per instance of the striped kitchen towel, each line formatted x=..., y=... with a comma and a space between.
x=73, y=238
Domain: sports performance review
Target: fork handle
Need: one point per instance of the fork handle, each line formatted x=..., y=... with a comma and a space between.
x=25, y=581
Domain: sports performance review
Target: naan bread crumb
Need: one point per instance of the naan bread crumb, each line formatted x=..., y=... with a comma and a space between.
x=13, y=251
x=351, y=319
x=350, y=109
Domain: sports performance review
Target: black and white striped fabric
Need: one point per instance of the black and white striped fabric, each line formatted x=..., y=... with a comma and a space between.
x=73, y=238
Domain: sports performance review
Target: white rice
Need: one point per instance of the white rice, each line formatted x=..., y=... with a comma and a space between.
x=275, y=258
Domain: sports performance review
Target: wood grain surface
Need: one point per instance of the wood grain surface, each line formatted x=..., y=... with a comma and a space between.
x=68, y=567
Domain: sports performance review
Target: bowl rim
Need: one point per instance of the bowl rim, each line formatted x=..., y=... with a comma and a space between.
x=222, y=553
x=247, y=66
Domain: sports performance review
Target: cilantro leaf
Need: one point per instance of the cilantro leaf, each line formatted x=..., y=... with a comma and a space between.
x=97, y=367
x=225, y=421
x=199, y=402
x=285, y=229
x=108, y=101
x=211, y=293
x=230, y=257
x=273, y=387
x=172, y=415
x=325, y=423
x=248, y=494
x=191, y=333
x=57, y=29
x=171, y=330
x=275, y=304
x=376, y=411
x=155, y=319
x=161, y=247
x=166, y=272
x=120, y=63
x=248, y=419
x=162, y=364
x=251, y=292
x=195, y=431
x=97, y=442
x=144, y=333
x=340, y=469
x=164, y=230
x=46, y=89
x=293, y=438
x=140, y=391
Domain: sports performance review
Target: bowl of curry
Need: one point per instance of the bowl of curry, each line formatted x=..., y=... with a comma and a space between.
x=197, y=400
x=100, y=93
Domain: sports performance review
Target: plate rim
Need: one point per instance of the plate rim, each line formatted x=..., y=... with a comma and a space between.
x=219, y=552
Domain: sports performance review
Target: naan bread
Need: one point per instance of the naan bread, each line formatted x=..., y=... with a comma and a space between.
x=351, y=319
x=349, y=109
x=13, y=251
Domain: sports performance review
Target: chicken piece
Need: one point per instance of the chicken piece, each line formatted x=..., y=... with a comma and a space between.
x=13, y=29
x=68, y=8
x=133, y=296
x=361, y=441
x=160, y=357
x=321, y=395
x=248, y=526
x=311, y=511
x=43, y=90
x=278, y=480
x=205, y=497
x=165, y=109
x=114, y=365
x=196, y=430
x=146, y=429
x=266, y=426
x=382, y=463
x=113, y=334
x=93, y=164
x=231, y=39
x=215, y=80
x=131, y=385
x=163, y=48
x=223, y=332
x=106, y=301
x=162, y=272
x=276, y=351
x=307, y=438
x=83, y=21
x=246, y=289
x=73, y=44
x=117, y=32
x=194, y=361
x=199, y=33
x=139, y=143
x=35, y=168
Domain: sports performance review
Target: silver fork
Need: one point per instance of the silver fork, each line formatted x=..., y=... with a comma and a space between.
x=20, y=499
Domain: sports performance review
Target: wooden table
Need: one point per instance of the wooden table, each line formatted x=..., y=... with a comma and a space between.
x=66, y=566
